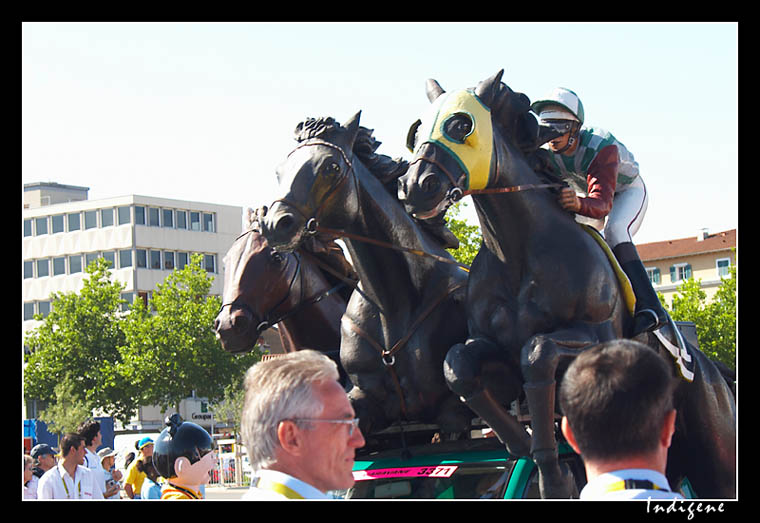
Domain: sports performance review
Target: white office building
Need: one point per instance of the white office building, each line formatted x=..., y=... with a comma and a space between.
x=144, y=237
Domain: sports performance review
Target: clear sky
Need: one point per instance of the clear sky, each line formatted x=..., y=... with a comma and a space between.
x=205, y=111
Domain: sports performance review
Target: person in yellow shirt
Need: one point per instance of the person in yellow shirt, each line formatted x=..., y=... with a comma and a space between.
x=134, y=480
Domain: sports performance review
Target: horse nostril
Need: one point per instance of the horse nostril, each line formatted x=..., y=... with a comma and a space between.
x=430, y=184
x=240, y=322
x=285, y=223
x=401, y=190
x=216, y=325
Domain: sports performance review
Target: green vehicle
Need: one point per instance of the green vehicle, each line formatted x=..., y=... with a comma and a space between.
x=478, y=468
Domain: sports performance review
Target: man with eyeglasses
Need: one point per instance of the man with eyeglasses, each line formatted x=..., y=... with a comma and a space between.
x=299, y=428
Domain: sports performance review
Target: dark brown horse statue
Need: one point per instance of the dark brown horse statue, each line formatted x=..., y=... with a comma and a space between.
x=408, y=308
x=541, y=289
x=303, y=293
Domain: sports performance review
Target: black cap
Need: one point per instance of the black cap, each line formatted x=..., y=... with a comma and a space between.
x=41, y=450
x=180, y=439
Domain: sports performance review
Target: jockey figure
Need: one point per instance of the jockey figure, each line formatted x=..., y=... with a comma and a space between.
x=604, y=183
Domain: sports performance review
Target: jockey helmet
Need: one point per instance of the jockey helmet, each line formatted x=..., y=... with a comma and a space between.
x=561, y=104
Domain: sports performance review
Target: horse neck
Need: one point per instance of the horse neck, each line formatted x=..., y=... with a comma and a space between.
x=509, y=222
x=388, y=275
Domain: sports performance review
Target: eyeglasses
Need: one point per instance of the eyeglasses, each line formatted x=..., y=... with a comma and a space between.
x=352, y=423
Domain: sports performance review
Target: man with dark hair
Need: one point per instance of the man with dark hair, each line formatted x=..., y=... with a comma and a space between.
x=90, y=432
x=617, y=401
x=70, y=479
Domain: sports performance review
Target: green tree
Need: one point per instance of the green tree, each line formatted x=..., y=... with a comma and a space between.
x=68, y=409
x=171, y=351
x=715, y=321
x=78, y=342
x=469, y=236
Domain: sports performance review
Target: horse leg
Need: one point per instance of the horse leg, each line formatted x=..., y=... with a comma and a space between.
x=539, y=361
x=463, y=369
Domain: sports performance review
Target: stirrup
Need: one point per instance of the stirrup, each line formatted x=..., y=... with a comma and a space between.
x=646, y=320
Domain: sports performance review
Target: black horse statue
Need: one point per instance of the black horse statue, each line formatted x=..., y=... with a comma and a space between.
x=298, y=292
x=541, y=289
x=408, y=308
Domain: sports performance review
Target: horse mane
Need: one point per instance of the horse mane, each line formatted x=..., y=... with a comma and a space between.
x=511, y=110
x=383, y=167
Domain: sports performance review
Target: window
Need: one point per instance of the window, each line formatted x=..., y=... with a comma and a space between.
x=57, y=223
x=680, y=272
x=141, y=258
x=168, y=260
x=125, y=258
x=28, y=311
x=90, y=257
x=106, y=217
x=129, y=298
x=43, y=268
x=74, y=224
x=90, y=219
x=27, y=227
x=40, y=226
x=181, y=219
x=110, y=257
x=195, y=221
x=167, y=215
x=59, y=266
x=155, y=259
x=75, y=263
x=209, y=262
x=182, y=260
x=153, y=216
x=722, y=265
x=208, y=222
x=43, y=308
x=28, y=269
x=139, y=215
x=654, y=276
x=123, y=215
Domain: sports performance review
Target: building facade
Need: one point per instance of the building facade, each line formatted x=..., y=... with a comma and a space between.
x=143, y=237
x=706, y=257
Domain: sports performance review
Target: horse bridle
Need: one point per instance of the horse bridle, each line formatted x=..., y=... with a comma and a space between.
x=266, y=322
x=456, y=192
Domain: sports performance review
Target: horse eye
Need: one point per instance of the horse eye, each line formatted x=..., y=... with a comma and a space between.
x=458, y=126
x=276, y=257
x=330, y=169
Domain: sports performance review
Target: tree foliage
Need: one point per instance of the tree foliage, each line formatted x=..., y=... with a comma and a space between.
x=78, y=343
x=117, y=361
x=469, y=236
x=715, y=320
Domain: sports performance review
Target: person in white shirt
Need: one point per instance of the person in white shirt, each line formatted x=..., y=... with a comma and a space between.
x=70, y=479
x=617, y=401
x=93, y=438
x=299, y=428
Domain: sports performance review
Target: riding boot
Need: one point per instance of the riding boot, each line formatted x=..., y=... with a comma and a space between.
x=649, y=314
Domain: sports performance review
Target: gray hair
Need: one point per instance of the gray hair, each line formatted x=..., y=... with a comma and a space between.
x=278, y=389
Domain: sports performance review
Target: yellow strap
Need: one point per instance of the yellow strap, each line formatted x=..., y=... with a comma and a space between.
x=625, y=283
x=630, y=484
x=286, y=491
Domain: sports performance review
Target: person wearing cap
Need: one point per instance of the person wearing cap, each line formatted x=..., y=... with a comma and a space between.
x=605, y=183
x=185, y=456
x=70, y=479
x=134, y=480
x=299, y=427
x=111, y=476
x=44, y=459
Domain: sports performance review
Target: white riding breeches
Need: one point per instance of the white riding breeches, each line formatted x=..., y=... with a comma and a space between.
x=628, y=209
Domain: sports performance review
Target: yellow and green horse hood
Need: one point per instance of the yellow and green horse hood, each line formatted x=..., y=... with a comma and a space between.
x=475, y=151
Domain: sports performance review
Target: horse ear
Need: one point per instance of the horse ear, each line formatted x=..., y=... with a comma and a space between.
x=489, y=88
x=433, y=90
x=352, y=129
